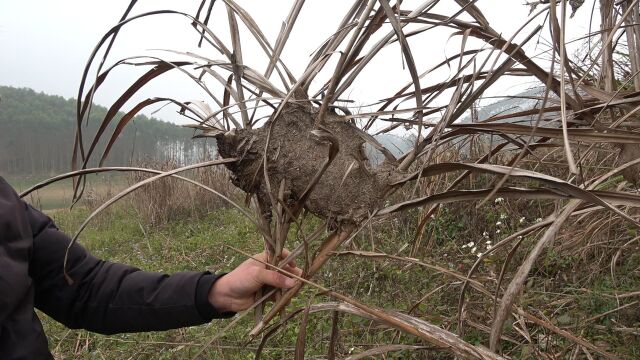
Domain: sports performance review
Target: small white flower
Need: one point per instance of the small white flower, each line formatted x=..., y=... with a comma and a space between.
x=519, y=237
x=479, y=254
x=498, y=231
x=503, y=216
x=485, y=234
x=522, y=219
x=470, y=244
x=474, y=249
x=488, y=242
x=498, y=200
x=538, y=220
x=499, y=223
x=489, y=247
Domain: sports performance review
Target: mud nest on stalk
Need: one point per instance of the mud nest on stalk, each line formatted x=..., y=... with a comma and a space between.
x=350, y=188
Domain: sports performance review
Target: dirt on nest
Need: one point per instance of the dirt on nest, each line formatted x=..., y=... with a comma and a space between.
x=295, y=155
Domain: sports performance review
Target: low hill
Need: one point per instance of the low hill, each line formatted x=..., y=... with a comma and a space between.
x=37, y=133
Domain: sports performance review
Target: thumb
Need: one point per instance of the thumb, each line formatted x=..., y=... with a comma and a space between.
x=273, y=278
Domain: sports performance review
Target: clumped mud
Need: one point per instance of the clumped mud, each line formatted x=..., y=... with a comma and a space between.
x=296, y=155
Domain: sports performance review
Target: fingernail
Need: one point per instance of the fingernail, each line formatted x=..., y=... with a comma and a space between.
x=290, y=282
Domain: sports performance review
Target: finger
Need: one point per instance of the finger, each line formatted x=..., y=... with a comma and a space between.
x=269, y=277
x=285, y=254
x=261, y=256
x=293, y=269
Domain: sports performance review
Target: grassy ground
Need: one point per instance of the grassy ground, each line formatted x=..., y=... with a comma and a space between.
x=557, y=291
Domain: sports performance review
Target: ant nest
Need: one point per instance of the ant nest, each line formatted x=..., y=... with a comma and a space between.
x=348, y=191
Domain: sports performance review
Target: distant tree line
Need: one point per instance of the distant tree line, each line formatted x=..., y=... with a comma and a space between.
x=37, y=133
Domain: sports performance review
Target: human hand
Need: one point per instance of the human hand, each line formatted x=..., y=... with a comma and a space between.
x=236, y=290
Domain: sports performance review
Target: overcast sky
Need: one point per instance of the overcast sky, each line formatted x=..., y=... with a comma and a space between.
x=45, y=44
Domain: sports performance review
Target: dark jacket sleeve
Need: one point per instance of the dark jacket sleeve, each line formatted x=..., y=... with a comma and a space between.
x=15, y=249
x=111, y=298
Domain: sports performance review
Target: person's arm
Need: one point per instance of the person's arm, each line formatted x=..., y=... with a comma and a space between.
x=108, y=297
x=111, y=298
